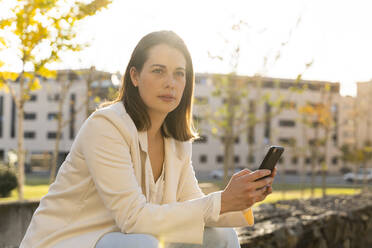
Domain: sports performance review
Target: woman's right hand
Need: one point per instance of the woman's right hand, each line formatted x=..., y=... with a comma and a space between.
x=243, y=190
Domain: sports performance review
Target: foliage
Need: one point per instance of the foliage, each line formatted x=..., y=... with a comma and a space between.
x=39, y=32
x=8, y=181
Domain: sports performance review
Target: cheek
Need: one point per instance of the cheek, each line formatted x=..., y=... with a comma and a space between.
x=181, y=91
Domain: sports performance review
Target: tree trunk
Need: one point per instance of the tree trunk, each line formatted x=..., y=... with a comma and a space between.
x=20, y=135
x=58, y=138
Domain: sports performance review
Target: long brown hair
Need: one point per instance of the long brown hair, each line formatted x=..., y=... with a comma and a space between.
x=178, y=123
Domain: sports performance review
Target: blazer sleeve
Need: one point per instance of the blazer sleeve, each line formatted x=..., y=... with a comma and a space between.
x=108, y=158
x=189, y=189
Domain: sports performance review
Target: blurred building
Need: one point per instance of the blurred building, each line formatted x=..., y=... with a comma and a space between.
x=364, y=111
x=285, y=128
x=40, y=113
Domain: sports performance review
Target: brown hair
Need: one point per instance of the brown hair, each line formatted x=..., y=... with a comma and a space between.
x=178, y=123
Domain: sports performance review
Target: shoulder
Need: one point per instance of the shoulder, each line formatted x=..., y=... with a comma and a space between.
x=182, y=148
x=110, y=119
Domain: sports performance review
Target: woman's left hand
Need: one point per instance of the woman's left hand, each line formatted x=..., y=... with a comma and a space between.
x=269, y=188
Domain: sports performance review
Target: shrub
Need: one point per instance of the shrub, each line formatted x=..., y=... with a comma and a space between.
x=8, y=181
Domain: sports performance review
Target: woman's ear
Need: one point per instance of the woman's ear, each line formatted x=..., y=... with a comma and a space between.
x=134, y=76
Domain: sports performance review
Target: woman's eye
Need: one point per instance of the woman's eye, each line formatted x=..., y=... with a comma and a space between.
x=157, y=71
x=180, y=73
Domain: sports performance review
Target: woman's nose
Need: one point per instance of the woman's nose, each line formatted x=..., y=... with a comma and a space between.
x=170, y=81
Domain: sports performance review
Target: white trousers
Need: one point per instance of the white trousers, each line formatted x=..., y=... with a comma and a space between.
x=214, y=237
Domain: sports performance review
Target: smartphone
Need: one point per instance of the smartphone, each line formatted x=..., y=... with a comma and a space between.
x=271, y=158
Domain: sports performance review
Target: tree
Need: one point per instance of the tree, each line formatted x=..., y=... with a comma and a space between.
x=42, y=30
x=66, y=81
x=235, y=115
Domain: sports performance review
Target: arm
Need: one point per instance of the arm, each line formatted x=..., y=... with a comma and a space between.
x=189, y=189
x=107, y=156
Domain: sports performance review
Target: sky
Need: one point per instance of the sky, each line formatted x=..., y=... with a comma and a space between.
x=336, y=36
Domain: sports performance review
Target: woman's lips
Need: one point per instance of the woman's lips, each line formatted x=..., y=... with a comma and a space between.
x=167, y=98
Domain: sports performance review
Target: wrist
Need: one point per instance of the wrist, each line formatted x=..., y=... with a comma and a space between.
x=224, y=206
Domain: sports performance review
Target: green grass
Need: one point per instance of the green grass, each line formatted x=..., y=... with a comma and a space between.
x=296, y=194
x=31, y=192
x=35, y=192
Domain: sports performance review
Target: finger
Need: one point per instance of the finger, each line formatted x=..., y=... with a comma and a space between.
x=274, y=172
x=253, y=176
x=262, y=183
x=259, y=195
x=242, y=173
x=269, y=190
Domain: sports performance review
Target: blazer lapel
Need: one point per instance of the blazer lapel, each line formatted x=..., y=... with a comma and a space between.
x=142, y=139
x=174, y=162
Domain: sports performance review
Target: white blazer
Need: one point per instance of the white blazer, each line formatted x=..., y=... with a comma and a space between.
x=101, y=187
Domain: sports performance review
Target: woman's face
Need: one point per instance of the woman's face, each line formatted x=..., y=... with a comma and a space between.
x=162, y=79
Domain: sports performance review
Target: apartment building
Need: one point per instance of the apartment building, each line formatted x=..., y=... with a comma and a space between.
x=285, y=128
x=364, y=111
x=40, y=112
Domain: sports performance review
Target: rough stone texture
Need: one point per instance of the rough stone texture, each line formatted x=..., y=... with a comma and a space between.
x=331, y=222
x=14, y=220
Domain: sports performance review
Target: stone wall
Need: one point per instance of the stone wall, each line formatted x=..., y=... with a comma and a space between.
x=331, y=222
x=14, y=220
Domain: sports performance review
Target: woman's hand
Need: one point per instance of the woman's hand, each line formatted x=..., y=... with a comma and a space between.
x=243, y=190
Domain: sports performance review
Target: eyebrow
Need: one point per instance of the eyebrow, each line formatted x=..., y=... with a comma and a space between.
x=163, y=66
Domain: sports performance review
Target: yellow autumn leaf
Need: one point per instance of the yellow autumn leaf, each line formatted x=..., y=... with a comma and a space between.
x=214, y=130
x=8, y=75
x=1, y=63
x=2, y=41
x=28, y=75
x=97, y=99
x=35, y=85
x=43, y=71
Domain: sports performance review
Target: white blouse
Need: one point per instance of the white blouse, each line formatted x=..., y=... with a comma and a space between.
x=156, y=189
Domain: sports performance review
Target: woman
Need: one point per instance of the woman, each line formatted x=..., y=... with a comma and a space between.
x=128, y=179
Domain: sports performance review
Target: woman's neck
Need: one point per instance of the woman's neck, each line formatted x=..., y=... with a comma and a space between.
x=154, y=132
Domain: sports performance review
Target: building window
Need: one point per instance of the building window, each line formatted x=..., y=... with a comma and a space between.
x=267, y=127
x=53, y=135
x=197, y=119
x=237, y=140
x=72, y=116
x=288, y=141
x=53, y=97
x=2, y=155
x=200, y=80
x=288, y=105
x=52, y=116
x=33, y=98
x=29, y=135
x=294, y=160
x=268, y=84
x=251, y=128
x=251, y=159
x=203, y=158
x=219, y=159
x=321, y=159
x=236, y=159
x=201, y=100
x=29, y=116
x=202, y=140
x=287, y=123
x=308, y=160
x=13, y=120
x=281, y=160
x=335, y=160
